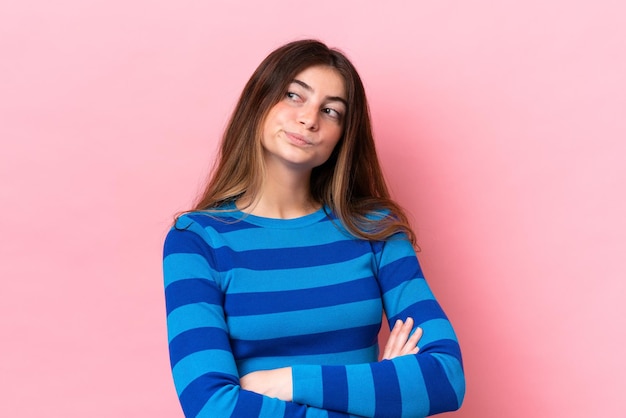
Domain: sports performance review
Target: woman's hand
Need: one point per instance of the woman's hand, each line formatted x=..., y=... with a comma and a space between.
x=399, y=342
x=275, y=383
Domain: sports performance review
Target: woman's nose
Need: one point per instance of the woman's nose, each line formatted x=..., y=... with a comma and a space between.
x=309, y=117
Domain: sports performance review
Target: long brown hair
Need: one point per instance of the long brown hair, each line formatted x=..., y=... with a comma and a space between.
x=350, y=182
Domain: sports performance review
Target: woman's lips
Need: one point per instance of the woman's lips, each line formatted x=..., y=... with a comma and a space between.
x=298, y=139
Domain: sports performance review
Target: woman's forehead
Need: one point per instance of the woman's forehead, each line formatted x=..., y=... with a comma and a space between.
x=322, y=79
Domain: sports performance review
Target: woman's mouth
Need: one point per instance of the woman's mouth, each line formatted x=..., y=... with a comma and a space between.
x=298, y=139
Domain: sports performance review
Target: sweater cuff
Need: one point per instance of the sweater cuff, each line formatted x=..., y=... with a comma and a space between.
x=307, y=385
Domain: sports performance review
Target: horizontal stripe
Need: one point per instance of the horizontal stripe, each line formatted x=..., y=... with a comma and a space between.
x=266, y=238
x=183, y=266
x=289, y=258
x=423, y=311
x=364, y=355
x=192, y=241
x=184, y=292
x=244, y=280
x=324, y=342
x=197, y=339
x=442, y=346
x=259, y=303
x=438, y=329
x=392, y=250
x=194, y=398
x=192, y=316
x=195, y=365
x=399, y=271
x=401, y=298
x=306, y=321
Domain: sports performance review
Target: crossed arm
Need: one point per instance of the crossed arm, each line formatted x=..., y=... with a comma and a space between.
x=402, y=384
x=277, y=383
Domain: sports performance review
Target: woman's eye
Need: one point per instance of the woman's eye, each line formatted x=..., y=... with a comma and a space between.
x=332, y=113
x=292, y=96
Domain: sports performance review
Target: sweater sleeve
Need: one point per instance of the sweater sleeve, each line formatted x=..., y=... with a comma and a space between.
x=204, y=370
x=419, y=385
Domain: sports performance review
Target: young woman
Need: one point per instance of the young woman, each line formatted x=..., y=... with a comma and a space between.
x=277, y=280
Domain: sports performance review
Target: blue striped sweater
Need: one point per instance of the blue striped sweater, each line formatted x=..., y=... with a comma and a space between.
x=246, y=293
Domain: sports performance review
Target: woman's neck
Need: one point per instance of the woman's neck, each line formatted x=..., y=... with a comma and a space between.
x=280, y=196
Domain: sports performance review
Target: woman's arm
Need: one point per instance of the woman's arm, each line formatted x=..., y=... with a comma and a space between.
x=278, y=383
x=204, y=370
x=413, y=385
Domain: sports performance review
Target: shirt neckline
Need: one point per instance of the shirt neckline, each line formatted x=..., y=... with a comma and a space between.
x=278, y=223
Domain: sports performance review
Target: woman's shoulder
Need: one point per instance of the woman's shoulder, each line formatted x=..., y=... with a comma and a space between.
x=215, y=218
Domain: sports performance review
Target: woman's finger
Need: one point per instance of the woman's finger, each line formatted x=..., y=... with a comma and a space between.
x=411, y=344
x=400, y=341
x=392, y=341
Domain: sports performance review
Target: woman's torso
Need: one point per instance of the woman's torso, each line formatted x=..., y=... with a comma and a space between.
x=296, y=291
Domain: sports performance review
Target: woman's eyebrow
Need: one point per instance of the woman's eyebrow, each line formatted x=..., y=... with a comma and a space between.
x=309, y=88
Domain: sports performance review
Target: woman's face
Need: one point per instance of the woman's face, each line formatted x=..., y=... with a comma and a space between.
x=302, y=129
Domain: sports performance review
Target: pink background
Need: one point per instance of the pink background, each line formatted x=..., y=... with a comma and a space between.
x=501, y=126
